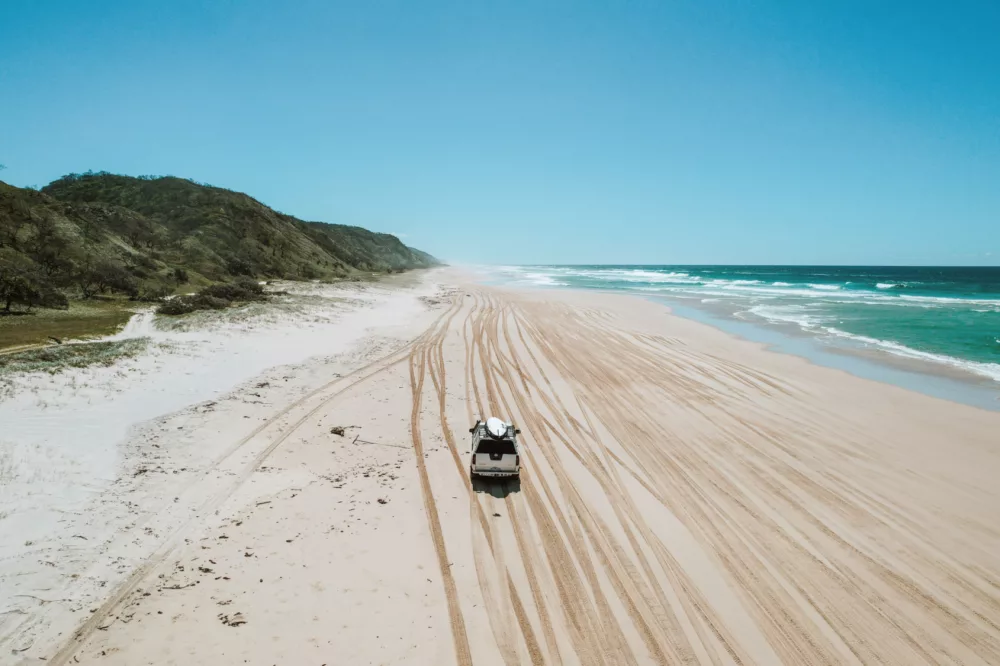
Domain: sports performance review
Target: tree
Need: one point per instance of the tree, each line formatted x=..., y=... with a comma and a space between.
x=19, y=280
x=49, y=248
x=97, y=275
x=86, y=276
x=239, y=266
x=13, y=220
x=109, y=276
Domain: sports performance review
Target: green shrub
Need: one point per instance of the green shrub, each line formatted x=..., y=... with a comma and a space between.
x=239, y=266
x=207, y=302
x=309, y=272
x=251, y=285
x=241, y=289
x=215, y=297
x=185, y=304
x=50, y=298
x=154, y=291
x=177, y=306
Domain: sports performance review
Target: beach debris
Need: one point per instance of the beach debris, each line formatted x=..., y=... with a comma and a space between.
x=496, y=515
x=262, y=385
x=382, y=500
x=206, y=570
x=337, y=430
x=234, y=620
x=55, y=340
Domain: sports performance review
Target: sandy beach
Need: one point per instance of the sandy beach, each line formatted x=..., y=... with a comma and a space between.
x=100, y=465
x=686, y=497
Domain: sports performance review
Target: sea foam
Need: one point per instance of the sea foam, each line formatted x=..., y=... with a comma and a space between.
x=990, y=370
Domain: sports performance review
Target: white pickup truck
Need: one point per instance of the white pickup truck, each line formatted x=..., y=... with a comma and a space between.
x=495, y=451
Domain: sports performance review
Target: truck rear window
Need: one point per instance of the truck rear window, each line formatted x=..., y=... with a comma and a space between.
x=496, y=446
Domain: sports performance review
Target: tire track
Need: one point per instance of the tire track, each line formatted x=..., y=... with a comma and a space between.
x=175, y=538
x=678, y=504
x=463, y=653
x=650, y=415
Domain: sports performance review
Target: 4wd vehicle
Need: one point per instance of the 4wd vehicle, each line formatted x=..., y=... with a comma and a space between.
x=494, y=449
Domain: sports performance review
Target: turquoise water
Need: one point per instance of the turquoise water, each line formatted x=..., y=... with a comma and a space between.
x=949, y=316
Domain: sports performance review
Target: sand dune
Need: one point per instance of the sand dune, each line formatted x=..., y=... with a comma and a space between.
x=686, y=498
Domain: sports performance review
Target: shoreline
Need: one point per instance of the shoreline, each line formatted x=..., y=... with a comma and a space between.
x=944, y=324
x=928, y=377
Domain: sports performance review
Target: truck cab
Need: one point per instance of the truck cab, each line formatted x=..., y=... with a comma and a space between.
x=495, y=451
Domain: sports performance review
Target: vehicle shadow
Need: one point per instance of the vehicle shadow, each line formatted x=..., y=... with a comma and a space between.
x=499, y=488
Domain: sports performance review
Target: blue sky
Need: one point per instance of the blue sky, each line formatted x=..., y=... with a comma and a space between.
x=517, y=132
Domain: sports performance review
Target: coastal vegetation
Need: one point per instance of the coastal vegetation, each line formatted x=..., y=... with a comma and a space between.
x=215, y=297
x=112, y=240
x=57, y=358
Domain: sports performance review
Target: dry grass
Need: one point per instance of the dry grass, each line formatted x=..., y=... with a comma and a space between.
x=60, y=357
x=83, y=319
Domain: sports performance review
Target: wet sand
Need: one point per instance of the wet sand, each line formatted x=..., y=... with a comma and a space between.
x=686, y=497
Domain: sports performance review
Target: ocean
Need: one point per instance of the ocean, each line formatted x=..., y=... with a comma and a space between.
x=948, y=317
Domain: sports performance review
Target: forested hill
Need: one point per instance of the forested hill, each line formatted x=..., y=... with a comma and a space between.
x=100, y=232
